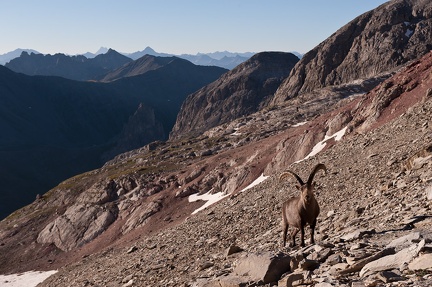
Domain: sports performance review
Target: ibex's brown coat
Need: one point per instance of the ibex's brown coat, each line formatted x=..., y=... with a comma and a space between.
x=301, y=210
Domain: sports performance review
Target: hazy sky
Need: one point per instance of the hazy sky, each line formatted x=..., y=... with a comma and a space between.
x=173, y=26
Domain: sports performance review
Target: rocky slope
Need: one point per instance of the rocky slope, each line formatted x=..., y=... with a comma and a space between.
x=239, y=92
x=138, y=202
x=376, y=205
x=70, y=67
x=378, y=41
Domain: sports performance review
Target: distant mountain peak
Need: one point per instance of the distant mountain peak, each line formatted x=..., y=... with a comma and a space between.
x=102, y=50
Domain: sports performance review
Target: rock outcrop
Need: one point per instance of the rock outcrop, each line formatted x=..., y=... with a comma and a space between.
x=239, y=92
x=376, y=42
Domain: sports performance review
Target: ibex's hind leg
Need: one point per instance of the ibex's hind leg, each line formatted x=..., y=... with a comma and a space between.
x=284, y=233
x=313, y=231
x=293, y=236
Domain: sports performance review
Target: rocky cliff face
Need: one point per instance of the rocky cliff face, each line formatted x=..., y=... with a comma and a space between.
x=375, y=42
x=238, y=93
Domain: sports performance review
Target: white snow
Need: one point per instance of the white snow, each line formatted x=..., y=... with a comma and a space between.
x=257, y=181
x=320, y=146
x=209, y=197
x=299, y=124
x=27, y=279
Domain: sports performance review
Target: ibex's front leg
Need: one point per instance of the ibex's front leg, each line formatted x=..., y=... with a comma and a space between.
x=313, y=231
x=302, y=244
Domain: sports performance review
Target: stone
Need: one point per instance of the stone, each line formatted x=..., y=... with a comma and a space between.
x=308, y=264
x=361, y=263
x=357, y=234
x=139, y=216
x=233, y=249
x=132, y=249
x=334, y=259
x=423, y=262
x=78, y=225
x=429, y=192
x=321, y=255
x=395, y=261
x=266, y=267
x=289, y=280
x=405, y=240
x=389, y=276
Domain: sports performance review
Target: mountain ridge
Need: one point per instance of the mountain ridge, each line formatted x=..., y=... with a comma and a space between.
x=71, y=67
x=360, y=42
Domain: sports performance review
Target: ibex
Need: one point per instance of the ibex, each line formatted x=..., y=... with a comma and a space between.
x=303, y=209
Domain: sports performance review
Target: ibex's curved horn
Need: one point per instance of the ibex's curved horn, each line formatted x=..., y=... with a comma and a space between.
x=317, y=168
x=287, y=173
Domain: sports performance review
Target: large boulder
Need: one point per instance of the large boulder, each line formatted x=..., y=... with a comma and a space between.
x=78, y=225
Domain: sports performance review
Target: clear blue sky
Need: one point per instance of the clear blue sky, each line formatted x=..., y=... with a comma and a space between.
x=173, y=26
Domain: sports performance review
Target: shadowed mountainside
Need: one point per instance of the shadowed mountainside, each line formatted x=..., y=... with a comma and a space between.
x=53, y=128
x=77, y=68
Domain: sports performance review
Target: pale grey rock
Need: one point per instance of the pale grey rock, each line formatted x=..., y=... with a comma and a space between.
x=291, y=279
x=140, y=215
x=129, y=283
x=99, y=193
x=266, y=267
x=423, y=262
x=358, y=265
x=356, y=234
x=405, y=240
x=395, y=261
x=429, y=192
x=78, y=225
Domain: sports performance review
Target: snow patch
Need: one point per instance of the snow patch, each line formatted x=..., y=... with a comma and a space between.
x=257, y=181
x=27, y=279
x=320, y=146
x=209, y=197
x=299, y=124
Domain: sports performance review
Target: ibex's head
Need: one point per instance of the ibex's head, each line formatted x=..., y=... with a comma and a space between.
x=306, y=189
